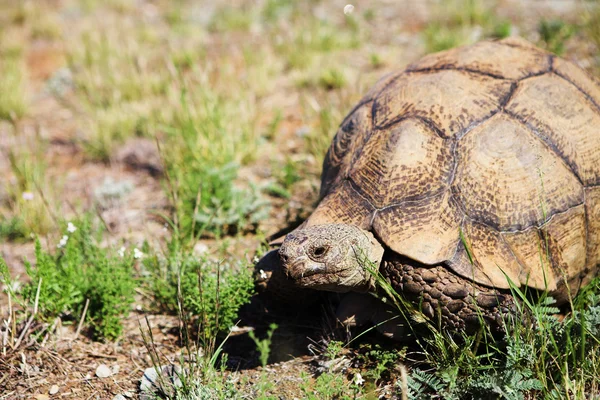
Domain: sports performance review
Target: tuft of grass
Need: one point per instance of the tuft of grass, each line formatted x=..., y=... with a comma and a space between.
x=592, y=24
x=554, y=33
x=13, y=101
x=46, y=27
x=325, y=118
x=274, y=10
x=29, y=199
x=464, y=22
x=285, y=179
x=207, y=141
x=209, y=290
x=206, y=295
x=263, y=345
x=327, y=386
x=13, y=228
x=314, y=38
x=332, y=78
x=232, y=19
x=116, y=88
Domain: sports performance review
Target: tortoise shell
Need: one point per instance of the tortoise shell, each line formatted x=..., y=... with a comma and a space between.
x=484, y=158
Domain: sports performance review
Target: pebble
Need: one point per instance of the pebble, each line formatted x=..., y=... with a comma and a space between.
x=103, y=371
x=200, y=248
x=53, y=389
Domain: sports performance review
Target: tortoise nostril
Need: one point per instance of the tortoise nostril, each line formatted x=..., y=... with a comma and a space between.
x=283, y=257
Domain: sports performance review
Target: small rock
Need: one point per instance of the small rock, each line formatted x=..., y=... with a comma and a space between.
x=151, y=384
x=103, y=371
x=200, y=248
x=53, y=389
x=110, y=192
x=119, y=397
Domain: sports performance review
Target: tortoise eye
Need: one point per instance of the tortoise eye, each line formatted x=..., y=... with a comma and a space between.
x=320, y=251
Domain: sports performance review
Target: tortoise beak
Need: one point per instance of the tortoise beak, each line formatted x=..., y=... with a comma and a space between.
x=300, y=268
x=296, y=269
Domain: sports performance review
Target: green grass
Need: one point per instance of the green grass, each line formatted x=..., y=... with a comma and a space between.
x=464, y=22
x=30, y=200
x=554, y=33
x=591, y=31
x=211, y=291
x=207, y=129
x=13, y=98
x=263, y=345
x=78, y=279
x=538, y=356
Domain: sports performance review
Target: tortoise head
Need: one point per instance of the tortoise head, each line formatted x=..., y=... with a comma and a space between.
x=332, y=257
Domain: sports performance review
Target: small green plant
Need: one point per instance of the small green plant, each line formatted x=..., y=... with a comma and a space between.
x=380, y=362
x=211, y=291
x=554, y=33
x=334, y=349
x=332, y=78
x=285, y=177
x=263, y=345
x=209, y=201
x=81, y=272
x=314, y=37
x=13, y=228
x=376, y=60
x=328, y=386
x=273, y=10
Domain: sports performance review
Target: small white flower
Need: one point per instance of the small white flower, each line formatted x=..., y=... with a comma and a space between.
x=121, y=252
x=263, y=274
x=27, y=196
x=71, y=228
x=63, y=242
x=348, y=9
x=358, y=379
x=137, y=254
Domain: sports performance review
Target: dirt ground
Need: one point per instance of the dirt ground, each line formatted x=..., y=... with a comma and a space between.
x=64, y=363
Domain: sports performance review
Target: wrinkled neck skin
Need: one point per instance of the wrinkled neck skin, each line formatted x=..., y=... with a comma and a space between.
x=333, y=257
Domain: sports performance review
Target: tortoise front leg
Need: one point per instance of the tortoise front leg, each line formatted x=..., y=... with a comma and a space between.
x=449, y=300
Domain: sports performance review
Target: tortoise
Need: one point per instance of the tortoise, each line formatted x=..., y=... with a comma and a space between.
x=473, y=171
